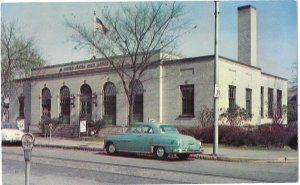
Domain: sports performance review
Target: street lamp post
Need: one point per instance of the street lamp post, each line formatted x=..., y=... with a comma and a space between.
x=216, y=82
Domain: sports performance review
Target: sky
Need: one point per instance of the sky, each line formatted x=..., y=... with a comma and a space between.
x=276, y=30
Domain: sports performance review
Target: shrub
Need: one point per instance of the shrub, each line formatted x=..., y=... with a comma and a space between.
x=44, y=124
x=206, y=134
x=235, y=116
x=95, y=126
x=274, y=135
x=191, y=131
x=231, y=135
x=293, y=142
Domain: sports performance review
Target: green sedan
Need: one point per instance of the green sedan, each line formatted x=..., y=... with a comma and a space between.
x=160, y=139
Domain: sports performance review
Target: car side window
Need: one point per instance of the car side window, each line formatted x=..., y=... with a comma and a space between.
x=139, y=129
x=148, y=130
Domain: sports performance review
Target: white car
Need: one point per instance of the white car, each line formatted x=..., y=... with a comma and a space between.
x=10, y=133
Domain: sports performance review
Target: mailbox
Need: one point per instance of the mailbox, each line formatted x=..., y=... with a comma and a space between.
x=27, y=144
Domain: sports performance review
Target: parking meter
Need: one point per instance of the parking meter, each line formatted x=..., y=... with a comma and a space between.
x=50, y=132
x=27, y=144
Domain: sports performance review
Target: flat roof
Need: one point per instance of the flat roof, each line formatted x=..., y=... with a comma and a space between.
x=167, y=62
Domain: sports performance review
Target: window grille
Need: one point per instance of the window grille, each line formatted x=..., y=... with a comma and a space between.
x=138, y=104
x=232, y=96
x=46, y=102
x=86, y=102
x=65, y=101
x=109, y=99
x=262, y=102
x=279, y=103
x=249, y=101
x=270, y=102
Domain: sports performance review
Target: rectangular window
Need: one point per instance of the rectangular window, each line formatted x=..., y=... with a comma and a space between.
x=187, y=92
x=249, y=101
x=270, y=102
x=279, y=103
x=21, y=106
x=231, y=96
x=262, y=102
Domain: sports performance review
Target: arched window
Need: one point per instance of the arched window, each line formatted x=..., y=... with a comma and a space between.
x=109, y=103
x=65, y=104
x=86, y=102
x=46, y=102
x=138, y=105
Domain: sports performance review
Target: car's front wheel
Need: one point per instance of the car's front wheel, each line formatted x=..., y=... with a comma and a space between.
x=160, y=153
x=183, y=156
x=111, y=149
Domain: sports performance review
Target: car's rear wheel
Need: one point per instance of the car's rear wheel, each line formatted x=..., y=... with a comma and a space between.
x=111, y=149
x=183, y=156
x=160, y=153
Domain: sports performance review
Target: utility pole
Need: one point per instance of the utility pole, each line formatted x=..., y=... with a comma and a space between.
x=216, y=83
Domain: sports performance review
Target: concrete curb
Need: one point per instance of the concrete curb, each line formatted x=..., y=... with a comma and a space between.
x=245, y=159
x=69, y=147
x=195, y=156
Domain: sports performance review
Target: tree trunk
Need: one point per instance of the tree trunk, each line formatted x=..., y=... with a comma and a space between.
x=131, y=104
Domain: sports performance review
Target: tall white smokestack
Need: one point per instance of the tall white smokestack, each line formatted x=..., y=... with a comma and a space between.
x=247, y=35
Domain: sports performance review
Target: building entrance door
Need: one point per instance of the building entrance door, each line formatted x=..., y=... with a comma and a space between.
x=65, y=105
x=86, y=103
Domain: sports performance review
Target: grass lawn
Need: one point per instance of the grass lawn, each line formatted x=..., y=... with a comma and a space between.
x=286, y=148
x=96, y=139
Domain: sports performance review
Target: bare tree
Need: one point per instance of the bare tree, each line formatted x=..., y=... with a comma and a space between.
x=278, y=113
x=18, y=56
x=236, y=116
x=136, y=31
x=206, y=116
x=294, y=81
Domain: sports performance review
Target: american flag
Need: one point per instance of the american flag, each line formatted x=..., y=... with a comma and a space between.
x=100, y=26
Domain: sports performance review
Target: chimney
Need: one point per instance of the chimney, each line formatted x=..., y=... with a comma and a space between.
x=247, y=35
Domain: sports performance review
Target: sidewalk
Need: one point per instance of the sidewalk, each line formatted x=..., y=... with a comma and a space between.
x=225, y=154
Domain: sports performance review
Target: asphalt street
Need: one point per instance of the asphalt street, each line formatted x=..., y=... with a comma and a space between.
x=59, y=166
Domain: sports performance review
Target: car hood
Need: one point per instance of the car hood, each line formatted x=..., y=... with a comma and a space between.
x=11, y=131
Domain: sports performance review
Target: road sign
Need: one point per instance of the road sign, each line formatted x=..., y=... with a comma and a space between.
x=21, y=124
x=217, y=91
x=82, y=125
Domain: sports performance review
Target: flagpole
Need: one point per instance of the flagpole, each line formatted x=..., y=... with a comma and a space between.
x=94, y=39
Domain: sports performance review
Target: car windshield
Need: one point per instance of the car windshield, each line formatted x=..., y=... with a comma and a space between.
x=7, y=125
x=168, y=129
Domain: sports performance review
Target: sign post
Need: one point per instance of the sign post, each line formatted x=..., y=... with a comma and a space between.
x=27, y=144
